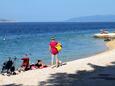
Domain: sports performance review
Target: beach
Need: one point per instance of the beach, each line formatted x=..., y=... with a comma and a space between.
x=111, y=44
x=57, y=43
x=96, y=70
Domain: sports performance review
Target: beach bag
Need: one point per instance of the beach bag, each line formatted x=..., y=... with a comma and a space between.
x=59, y=47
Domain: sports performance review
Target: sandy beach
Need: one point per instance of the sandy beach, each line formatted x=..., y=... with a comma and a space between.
x=111, y=44
x=97, y=70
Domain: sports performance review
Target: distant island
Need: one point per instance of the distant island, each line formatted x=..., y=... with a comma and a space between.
x=5, y=20
x=95, y=18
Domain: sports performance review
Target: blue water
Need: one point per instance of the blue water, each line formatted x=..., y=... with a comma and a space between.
x=16, y=39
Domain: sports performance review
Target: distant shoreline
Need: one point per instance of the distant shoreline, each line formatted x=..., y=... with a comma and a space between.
x=7, y=21
x=52, y=22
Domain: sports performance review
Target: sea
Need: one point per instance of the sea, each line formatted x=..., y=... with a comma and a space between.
x=32, y=38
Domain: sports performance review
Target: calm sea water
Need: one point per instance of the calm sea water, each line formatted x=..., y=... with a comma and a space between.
x=16, y=39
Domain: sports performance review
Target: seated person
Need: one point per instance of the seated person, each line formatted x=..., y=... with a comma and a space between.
x=25, y=63
x=40, y=64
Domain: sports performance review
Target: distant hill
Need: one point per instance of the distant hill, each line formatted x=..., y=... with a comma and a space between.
x=96, y=18
x=4, y=20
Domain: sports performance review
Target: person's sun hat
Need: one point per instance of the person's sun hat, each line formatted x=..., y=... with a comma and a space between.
x=53, y=38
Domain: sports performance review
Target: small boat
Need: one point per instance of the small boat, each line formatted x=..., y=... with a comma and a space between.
x=104, y=35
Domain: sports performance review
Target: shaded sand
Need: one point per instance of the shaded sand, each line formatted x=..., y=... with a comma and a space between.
x=97, y=70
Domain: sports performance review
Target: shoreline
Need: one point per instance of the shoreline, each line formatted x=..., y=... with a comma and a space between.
x=43, y=76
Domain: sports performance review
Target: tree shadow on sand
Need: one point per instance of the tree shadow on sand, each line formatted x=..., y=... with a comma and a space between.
x=100, y=76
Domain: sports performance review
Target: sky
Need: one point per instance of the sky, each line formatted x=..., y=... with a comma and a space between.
x=53, y=10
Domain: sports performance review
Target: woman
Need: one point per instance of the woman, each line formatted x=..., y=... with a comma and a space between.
x=54, y=51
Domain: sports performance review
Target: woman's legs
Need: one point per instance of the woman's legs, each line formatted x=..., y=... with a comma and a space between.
x=57, y=60
x=52, y=59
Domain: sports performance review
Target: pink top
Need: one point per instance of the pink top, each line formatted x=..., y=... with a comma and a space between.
x=52, y=44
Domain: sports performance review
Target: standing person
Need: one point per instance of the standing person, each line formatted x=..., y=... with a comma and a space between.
x=54, y=51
